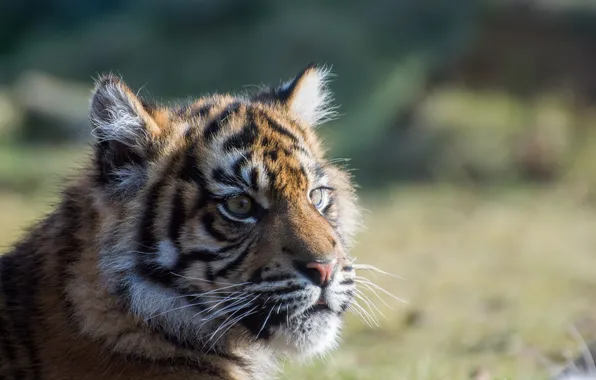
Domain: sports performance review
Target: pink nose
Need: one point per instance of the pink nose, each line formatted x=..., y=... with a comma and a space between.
x=321, y=270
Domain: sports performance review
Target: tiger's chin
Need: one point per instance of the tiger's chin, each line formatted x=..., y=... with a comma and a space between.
x=310, y=334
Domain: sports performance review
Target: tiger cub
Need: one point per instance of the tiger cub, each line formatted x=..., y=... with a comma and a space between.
x=202, y=241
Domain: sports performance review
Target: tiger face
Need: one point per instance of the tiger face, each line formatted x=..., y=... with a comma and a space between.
x=222, y=222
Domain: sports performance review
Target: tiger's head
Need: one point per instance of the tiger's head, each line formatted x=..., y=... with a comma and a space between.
x=221, y=221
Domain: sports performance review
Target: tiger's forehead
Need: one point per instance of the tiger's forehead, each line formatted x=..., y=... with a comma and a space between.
x=251, y=147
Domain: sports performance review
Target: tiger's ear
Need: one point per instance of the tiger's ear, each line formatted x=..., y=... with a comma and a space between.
x=124, y=132
x=118, y=115
x=307, y=96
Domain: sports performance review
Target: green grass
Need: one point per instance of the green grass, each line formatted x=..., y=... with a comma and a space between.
x=493, y=279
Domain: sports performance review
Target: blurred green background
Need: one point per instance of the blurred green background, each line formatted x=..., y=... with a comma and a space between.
x=470, y=127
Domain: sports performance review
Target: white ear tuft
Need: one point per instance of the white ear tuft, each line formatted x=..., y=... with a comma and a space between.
x=118, y=115
x=308, y=97
x=125, y=131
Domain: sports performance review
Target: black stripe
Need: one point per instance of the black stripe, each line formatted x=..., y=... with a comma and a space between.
x=213, y=128
x=348, y=281
x=7, y=347
x=166, y=276
x=254, y=179
x=283, y=131
x=240, y=164
x=67, y=255
x=194, y=300
x=278, y=278
x=177, y=218
x=208, y=220
x=147, y=239
x=271, y=176
x=201, y=201
x=319, y=171
x=201, y=367
x=256, y=276
x=271, y=154
x=234, y=264
x=299, y=148
x=300, y=177
x=230, y=247
x=202, y=255
x=220, y=176
x=30, y=314
x=20, y=302
x=296, y=178
x=344, y=306
x=7, y=267
x=347, y=268
x=242, y=140
x=202, y=111
x=209, y=274
x=156, y=273
x=112, y=155
x=326, y=209
x=190, y=171
x=254, y=322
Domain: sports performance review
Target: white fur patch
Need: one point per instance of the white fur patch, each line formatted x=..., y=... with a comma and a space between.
x=167, y=254
x=322, y=336
x=311, y=100
x=114, y=117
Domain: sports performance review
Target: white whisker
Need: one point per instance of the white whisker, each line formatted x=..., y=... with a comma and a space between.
x=373, y=290
x=266, y=319
x=586, y=353
x=364, y=280
x=225, y=300
x=171, y=310
x=369, y=314
x=368, y=302
x=234, y=306
x=230, y=325
x=373, y=268
x=357, y=309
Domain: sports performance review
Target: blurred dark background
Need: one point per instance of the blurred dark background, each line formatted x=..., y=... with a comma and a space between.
x=417, y=80
x=470, y=126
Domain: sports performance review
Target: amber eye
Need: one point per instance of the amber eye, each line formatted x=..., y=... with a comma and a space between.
x=318, y=197
x=240, y=206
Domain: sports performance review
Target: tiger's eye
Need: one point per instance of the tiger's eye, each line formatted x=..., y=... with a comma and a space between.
x=240, y=206
x=318, y=197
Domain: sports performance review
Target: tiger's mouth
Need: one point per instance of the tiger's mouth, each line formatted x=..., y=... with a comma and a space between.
x=308, y=333
x=318, y=308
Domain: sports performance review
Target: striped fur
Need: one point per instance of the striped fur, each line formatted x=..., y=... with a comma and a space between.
x=144, y=271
